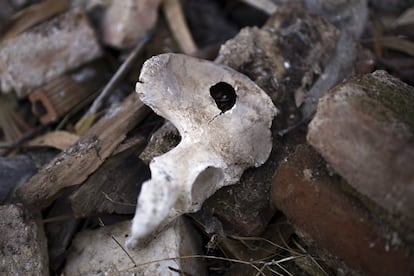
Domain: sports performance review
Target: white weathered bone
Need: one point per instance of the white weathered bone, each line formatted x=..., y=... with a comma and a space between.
x=216, y=145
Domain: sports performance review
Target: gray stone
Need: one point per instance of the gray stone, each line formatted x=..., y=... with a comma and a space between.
x=14, y=172
x=46, y=52
x=23, y=245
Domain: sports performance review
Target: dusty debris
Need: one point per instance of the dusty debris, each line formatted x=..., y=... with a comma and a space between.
x=75, y=164
x=23, y=245
x=364, y=128
x=126, y=22
x=211, y=107
x=100, y=251
x=46, y=51
x=321, y=206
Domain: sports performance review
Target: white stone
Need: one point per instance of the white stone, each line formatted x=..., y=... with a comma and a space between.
x=96, y=252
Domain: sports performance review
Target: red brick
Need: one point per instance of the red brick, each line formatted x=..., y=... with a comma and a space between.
x=314, y=201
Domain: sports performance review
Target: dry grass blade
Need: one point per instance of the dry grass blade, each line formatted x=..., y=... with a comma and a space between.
x=310, y=257
x=262, y=239
x=34, y=15
x=398, y=44
x=199, y=256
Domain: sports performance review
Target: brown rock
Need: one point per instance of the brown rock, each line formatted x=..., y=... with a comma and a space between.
x=23, y=245
x=314, y=201
x=364, y=128
x=46, y=51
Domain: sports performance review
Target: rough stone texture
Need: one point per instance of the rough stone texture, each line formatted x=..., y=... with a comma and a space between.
x=277, y=58
x=95, y=252
x=348, y=15
x=125, y=22
x=365, y=129
x=314, y=199
x=23, y=245
x=286, y=56
x=46, y=51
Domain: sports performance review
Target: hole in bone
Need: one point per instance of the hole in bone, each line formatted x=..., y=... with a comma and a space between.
x=205, y=184
x=224, y=95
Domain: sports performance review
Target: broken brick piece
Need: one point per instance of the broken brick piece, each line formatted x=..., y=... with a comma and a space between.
x=312, y=198
x=364, y=128
x=62, y=94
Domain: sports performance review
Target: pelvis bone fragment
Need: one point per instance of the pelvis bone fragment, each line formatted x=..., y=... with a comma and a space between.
x=224, y=120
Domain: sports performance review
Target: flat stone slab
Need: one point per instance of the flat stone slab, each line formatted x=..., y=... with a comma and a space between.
x=23, y=245
x=98, y=252
x=46, y=51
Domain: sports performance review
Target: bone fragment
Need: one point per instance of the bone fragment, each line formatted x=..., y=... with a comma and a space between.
x=224, y=120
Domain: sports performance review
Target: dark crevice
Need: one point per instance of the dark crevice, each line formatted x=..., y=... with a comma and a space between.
x=224, y=95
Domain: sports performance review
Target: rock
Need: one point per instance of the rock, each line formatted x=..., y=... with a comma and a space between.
x=97, y=252
x=47, y=51
x=286, y=56
x=364, y=128
x=319, y=203
x=14, y=172
x=23, y=245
